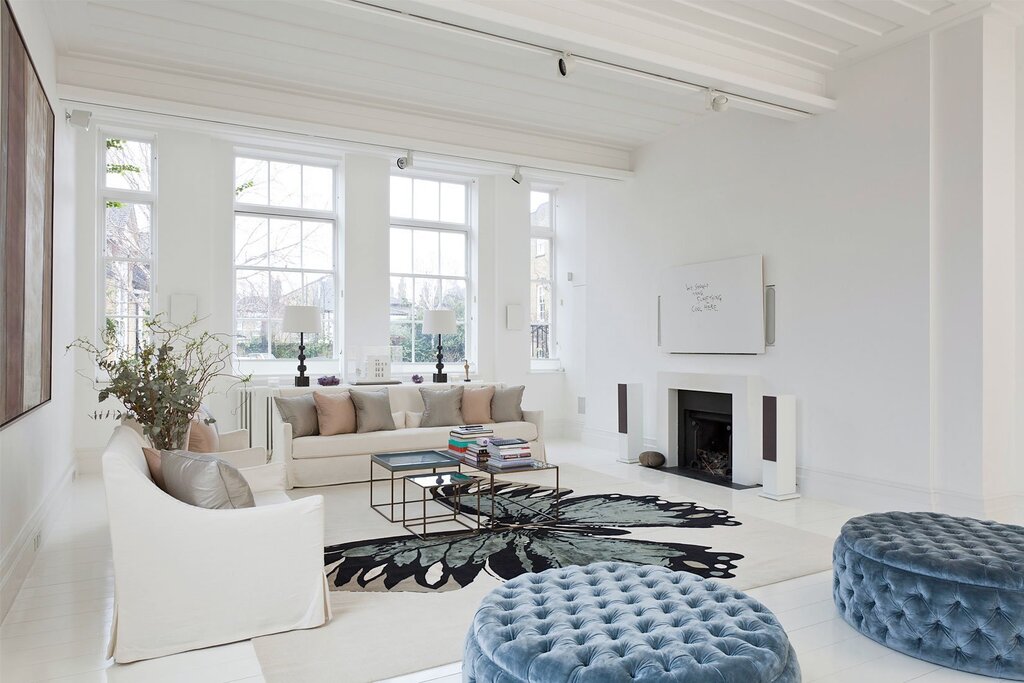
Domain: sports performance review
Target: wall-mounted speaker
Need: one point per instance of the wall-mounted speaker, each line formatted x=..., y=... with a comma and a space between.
x=631, y=422
x=769, y=315
x=778, y=452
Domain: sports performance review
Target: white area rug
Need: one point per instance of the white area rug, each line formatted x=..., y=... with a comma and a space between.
x=421, y=621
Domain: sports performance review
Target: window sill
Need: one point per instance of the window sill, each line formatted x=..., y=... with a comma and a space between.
x=547, y=365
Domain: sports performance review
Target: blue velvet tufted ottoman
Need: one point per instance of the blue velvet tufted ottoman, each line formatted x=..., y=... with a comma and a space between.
x=949, y=590
x=612, y=622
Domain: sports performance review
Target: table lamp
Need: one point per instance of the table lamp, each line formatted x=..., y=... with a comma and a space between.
x=439, y=322
x=304, y=320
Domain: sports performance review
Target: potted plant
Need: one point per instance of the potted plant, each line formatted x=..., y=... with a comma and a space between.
x=163, y=383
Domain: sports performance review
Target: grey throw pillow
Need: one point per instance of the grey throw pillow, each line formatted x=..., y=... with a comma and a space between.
x=373, y=411
x=300, y=413
x=441, y=407
x=204, y=480
x=507, y=404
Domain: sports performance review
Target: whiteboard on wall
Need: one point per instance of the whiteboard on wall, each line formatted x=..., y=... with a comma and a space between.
x=712, y=307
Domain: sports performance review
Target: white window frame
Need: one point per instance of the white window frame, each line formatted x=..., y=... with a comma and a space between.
x=548, y=233
x=280, y=366
x=439, y=227
x=110, y=194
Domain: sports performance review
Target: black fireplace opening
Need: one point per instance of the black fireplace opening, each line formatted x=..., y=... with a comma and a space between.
x=705, y=436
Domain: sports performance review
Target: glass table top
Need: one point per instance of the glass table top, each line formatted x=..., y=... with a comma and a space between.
x=489, y=468
x=414, y=460
x=442, y=479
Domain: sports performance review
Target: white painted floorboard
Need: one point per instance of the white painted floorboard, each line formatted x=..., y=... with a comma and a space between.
x=57, y=627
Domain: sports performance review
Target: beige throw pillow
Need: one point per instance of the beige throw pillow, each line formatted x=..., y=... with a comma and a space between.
x=335, y=413
x=153, y=461
x=476, y=405
x=203, y=436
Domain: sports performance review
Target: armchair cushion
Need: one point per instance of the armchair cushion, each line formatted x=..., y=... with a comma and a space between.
x=153, y=461
x=204, y=481
x=202, y=433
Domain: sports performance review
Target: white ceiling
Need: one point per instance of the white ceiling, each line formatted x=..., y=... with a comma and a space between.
x=775, y=50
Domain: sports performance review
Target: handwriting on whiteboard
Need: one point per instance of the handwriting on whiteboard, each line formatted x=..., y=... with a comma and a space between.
x=705, y=299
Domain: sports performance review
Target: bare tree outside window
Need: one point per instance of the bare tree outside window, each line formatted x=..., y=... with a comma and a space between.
x=128, y=196
x=285, y=232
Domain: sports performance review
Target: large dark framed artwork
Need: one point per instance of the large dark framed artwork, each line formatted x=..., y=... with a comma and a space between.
x=26, y=228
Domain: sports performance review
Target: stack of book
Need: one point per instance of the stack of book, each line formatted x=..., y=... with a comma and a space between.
x=462, y=438
x=509, y=453
x=477, y=453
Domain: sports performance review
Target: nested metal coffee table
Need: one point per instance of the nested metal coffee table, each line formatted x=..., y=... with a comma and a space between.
x=410, y=461
x=491, y=471
x=456, y=486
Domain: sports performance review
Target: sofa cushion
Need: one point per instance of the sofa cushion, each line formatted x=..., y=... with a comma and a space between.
x=373, y=411
x=335, y=413
x=442, y=407
x=204, y=481
x=153, y=461
x=507, y=404
x=299, y=412
x=397, y=440
x=476, y=405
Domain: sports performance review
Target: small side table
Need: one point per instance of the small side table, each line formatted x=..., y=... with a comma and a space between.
x=458, y=485
x=407, y=461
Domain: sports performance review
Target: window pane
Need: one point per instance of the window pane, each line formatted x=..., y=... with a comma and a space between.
x=453, y=253
x=453, y=203
x=127, y=289
x=285, y=184
x=250, y=241
x=401, y=197
x=285, y=243
x=401, y=250
x=427, y=295
x=130, y=332
x=129, y=230
x=540, y=340
x=317, y=245
x=425, y=199
x=129, y=164
x=425, y=252
x=453, y=297
x=540, y=302
x=401, y=336
x=317, y=187
x=540, y=261
x=401, y=298
x=425, y=346
x=285, y=290
x=251, y=339
x=252, y=293
x=319, y=291
x=540, y=209
x=454, y=351
x=251, y=180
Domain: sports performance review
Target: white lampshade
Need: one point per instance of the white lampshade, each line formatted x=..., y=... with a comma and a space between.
x=439, y=322
x=301, y=319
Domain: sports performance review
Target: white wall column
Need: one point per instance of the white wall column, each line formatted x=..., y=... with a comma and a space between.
x=365, y=255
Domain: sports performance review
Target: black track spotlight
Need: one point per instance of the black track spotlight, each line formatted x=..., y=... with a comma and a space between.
x=404, y=162
x=517, y=176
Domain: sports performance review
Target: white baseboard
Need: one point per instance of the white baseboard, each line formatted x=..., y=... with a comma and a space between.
x=15, y=564
x=609, y=440
x=89, y=460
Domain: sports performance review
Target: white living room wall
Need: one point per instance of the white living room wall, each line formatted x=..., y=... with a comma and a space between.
x=194, y=256
x=36, y=454
x=839, y=206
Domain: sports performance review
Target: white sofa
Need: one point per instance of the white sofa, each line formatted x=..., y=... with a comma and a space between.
x=186, y=577
x=345, y=458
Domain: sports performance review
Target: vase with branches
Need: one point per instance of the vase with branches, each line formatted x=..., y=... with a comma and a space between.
x=163, y=383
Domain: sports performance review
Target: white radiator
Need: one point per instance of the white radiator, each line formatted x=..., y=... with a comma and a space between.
x=252, y=410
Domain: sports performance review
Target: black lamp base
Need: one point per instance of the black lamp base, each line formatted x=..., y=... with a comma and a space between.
x=440, y=377
x=302, y=381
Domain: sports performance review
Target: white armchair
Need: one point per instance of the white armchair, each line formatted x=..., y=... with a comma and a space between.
x=186, y=577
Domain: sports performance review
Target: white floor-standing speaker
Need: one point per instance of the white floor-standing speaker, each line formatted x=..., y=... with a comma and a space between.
x=631, y=422
x=778, y=455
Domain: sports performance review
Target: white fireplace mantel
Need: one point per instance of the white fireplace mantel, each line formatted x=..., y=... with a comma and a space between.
x=747, y=393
